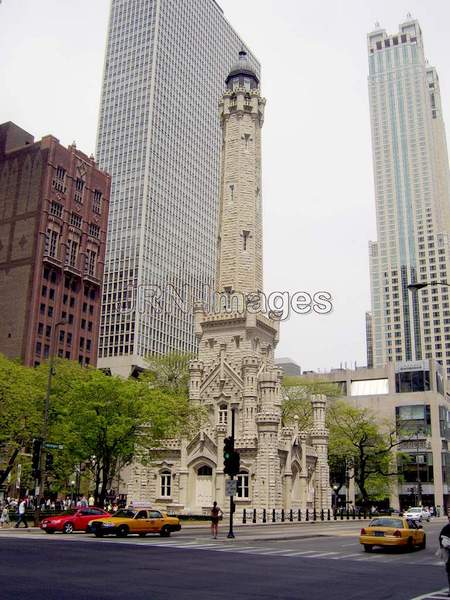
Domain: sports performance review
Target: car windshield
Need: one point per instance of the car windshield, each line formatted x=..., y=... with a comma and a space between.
x=123, y=513
x=414, y=510
x=66, y=513
x=386, y=523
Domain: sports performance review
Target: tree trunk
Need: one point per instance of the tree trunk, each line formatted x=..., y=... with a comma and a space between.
x=12, y=459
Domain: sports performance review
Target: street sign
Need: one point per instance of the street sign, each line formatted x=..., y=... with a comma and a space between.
x=230, y=487
x=52, y=446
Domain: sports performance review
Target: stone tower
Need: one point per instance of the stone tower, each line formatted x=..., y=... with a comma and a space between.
x=235, y=367
x=282, y=467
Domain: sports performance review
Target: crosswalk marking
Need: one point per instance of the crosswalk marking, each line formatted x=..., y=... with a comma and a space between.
x=290, y=553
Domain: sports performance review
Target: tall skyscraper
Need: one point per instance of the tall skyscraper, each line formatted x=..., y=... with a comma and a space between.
x=159, y=138
x=53, y=219
x=411, y=176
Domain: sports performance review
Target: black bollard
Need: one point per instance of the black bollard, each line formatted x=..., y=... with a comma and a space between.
x=322, y=518
x=273, y=516
x=307, y=515
x=299, y=514
x=244, y=516
x=342, y=514
x=335, y=514
x=282, y=515
x=348, y=515
x=291, y=515
x=254, y=516
x=354, y=514
x=328, y=515
x=314, y=515
x=264, y=520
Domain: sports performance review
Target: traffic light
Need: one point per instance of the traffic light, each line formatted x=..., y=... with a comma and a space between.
x=235, y=465
x=48, y=461
x=228, y=451
x=231, y=458
x=36, y=457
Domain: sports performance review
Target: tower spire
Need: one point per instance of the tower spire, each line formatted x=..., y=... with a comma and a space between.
x=239, y=252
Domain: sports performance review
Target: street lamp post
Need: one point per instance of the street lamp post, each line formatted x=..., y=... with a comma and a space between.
x=42, y=472
x=419, y=483
x=415, y=287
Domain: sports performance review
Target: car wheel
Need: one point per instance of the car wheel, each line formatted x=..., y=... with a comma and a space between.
x=423, y=545
x=165, y=531
x=122, y=531
x=368, y=548
x=98, y=533
x=68, y=528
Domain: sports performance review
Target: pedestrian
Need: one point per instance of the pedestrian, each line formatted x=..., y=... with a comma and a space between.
x=22, y=518
x=91, y=500
x=444, y=545
x=83, y=502
x=4, y=517
x=216, y=512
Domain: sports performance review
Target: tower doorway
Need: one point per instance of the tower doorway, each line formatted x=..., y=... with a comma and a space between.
x=204, y=486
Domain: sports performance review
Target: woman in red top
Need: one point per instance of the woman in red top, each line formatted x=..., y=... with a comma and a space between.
x=216, y=512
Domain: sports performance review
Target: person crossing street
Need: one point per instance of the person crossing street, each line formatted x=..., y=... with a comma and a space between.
x=22, y=518
x=216, y=512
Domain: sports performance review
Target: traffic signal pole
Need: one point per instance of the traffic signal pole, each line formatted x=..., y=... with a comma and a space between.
x=230, y=531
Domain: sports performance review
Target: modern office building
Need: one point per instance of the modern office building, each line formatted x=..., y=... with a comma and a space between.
x=410, y=163
x=369, y=339
x=288, y=366
x=53, y=218
x=413, y=394
x=160, y=139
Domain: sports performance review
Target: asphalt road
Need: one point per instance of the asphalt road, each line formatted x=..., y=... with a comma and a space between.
x=315, y=562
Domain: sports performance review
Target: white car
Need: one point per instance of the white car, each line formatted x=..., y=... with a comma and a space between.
x=417, y=513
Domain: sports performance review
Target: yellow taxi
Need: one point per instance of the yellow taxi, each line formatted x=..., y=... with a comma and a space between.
x=392, y=531
x=139, y=521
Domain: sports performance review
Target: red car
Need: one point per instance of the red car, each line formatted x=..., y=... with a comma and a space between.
x=72, y=520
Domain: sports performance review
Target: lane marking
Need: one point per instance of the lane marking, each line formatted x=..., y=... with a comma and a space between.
x=431, y=595
x=299, y=553
x=322, y=554
x=346, y=556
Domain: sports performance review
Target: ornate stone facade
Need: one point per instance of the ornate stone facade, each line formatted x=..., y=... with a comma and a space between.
x=281, y=467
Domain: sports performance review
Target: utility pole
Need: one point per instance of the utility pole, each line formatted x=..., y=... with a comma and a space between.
x=419, y=483
x=42, y=469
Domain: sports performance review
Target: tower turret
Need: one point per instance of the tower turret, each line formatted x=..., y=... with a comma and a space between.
x=239, y=252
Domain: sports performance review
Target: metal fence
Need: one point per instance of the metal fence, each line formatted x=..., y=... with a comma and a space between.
x=297, y=515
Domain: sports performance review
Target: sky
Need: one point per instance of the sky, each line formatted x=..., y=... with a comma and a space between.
x=317, y=166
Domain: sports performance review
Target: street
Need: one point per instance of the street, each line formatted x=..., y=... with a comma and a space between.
x=291, y=561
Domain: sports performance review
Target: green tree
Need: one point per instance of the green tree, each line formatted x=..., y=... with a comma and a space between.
x=369, y=447
x=297, y=393
x=107, y=422
x=169, y=372
x=21, y=409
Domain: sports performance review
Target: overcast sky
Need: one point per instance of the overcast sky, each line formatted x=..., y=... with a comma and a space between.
x=317, y=166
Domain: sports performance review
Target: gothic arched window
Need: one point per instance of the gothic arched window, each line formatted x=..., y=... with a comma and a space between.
x=166, y=484
x=242, y=484
x=223, y=414
x=205, y=470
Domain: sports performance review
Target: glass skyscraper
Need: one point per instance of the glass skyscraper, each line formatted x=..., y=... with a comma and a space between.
x=159, y=138
x=410, y=163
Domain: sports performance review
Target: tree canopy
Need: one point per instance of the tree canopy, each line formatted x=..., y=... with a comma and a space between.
x=103, y=422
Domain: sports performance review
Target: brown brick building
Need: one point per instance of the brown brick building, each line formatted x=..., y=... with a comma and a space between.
x=53, y=219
